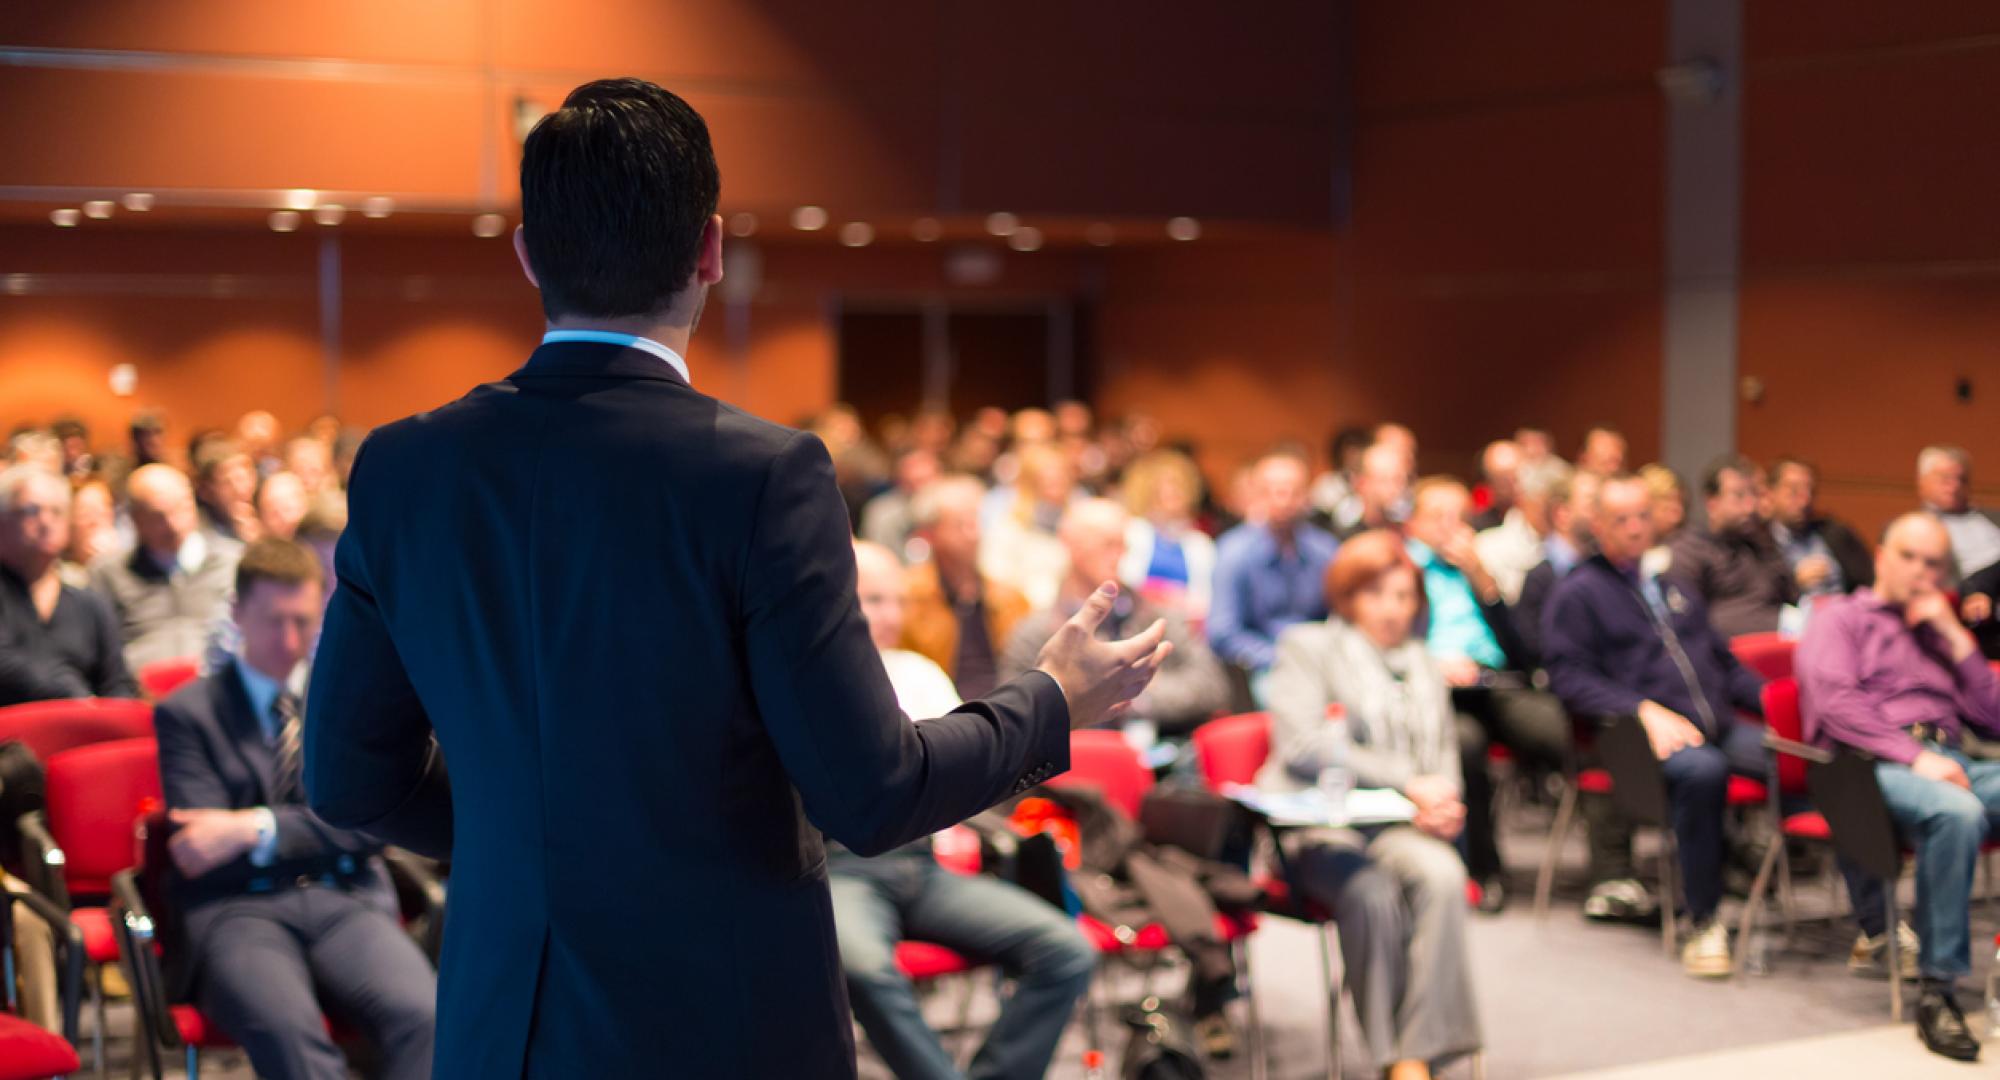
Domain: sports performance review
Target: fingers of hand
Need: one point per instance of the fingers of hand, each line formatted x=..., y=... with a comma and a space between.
x=1139, y=645
x=1092, y=614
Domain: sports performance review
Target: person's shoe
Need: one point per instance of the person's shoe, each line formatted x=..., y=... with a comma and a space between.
x=1941, y=1025
x=1706, y=953
x=1216, y=1037
x=1870, y=956
x=1621, y=900
x=1492, y=896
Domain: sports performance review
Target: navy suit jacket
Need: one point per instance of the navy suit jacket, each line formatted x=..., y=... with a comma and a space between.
x=625, y=614
x=213, y=755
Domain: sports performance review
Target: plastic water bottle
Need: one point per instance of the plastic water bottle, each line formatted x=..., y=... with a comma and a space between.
x=1757, y=952
x=1993, y=992
x=1336, y=782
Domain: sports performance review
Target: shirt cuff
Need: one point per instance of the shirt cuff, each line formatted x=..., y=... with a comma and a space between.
x=265, y=851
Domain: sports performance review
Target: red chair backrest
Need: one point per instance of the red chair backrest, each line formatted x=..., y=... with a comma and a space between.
x=1783, y=719
x=1769, y=655
x=163, y=677
x=1105, y=761
x=95, y=794
x=50, y=727
x=1230, y=750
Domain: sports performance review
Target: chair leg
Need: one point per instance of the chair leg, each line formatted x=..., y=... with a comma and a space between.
x=97, y=1030
x=1545, y=877
x=1332, y=1001
x=1259, y=1068
x=1755, y=901
x=1669, y=891
x=1785, y=895
x=1895, y=954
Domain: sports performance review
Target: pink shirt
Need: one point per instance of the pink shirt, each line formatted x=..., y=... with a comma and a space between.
x=1865, y=678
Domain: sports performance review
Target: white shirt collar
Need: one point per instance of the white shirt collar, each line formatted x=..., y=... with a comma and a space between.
x=630, y=341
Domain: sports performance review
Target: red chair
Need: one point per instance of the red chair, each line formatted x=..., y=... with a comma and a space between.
x=163, y=677
x=95, y=794
x=1105, y=761
x=50, y=727
x=1769, y=655
x=28, y=1052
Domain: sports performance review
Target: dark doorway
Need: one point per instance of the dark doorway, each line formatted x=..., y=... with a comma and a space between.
x=897, y=357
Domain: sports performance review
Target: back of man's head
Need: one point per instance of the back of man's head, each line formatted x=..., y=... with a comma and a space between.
x=617, y=188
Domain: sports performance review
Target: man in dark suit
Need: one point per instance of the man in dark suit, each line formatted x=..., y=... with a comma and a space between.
x=627, y=613
x=277, y=903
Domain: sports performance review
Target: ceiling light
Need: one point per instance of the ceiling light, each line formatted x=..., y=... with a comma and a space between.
x=98, y=209
x=926, y=229
x=809, y=219
x=330, y=213
x=489, y=225
x=1026, y=238
x=1002, y=223
x=284, y=220
x=139, y=202
x=377, y=206
x=17, y=284
x=857, y=234
x=301, y=198
x=743, y=224
x=66, y=218
x=1183, y=228
x=1100, y=234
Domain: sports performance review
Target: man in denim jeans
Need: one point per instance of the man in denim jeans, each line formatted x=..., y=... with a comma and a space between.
x=1891, y=672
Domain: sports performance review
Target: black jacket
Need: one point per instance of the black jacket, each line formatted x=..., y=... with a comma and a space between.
x=76, y=654
x=628, y=613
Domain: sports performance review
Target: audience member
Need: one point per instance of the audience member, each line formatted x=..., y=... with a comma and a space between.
x=1499, y=470
x=1670, y=501
x=880, y=901
x=1603, y=451
x=1396, y=892
x=1944, y=487
x=1472, y=636
x=1190, y=686
x=1382, y=491
x=958, y=617
x=1336, y=504
x=1401, y=439
x=257, y=434
x=1167, y=559
x=886, y=520
x=1019, y=548
x=1889, y=671
x=56, y=640
x=1826, y=557
x=1537, y=446
x=1268, y=571
x=149, y=438
x=78, y=461
x=225, y=491
x=1623, y=643
x=311, y=460
x=174, y=583
x=282, y=500
x=1733, y=563
x=287, y=919
x=93, y=530
x=1515, y=543
x=1571, y=500
x=1980, y=600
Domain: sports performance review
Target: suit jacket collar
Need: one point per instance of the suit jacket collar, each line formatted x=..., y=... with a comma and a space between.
x=595, y=360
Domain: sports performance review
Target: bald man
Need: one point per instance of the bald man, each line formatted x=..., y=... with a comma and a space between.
x=905, y=894
x=1382, y=488
x=171, y=588
x=1890, y=671
x=1191, y=685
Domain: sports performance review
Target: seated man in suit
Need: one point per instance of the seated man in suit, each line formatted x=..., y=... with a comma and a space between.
x=172, y=587
x=906, y=894
x=1889, y=670
x=56, y=641
x=288, y=919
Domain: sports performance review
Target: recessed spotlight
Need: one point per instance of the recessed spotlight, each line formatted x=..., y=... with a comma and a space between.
x=1002, y=223
x=138, y=202
x=378, y=206
x=1100, y=234
x=330, y=213
x=926, y=229
x=1183, y=228
x=1026, y=238
x=301, y=199
x=857, y=234
x=17, y=284
x=66, y=218
x=489, y=225
x=284, y=220
x=743, y=223
x=809, y=219
x=98, y=209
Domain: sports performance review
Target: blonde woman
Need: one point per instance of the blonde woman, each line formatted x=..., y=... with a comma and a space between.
x=1166, y=558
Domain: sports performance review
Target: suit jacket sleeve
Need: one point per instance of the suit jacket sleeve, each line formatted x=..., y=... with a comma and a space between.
x=370, y=761
x=868, y=777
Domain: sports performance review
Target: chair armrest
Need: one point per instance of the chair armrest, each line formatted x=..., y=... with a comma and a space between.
x=133, y=924
x=69, y=950
x=1795, y=748
x=412, y=874
x=43, y=859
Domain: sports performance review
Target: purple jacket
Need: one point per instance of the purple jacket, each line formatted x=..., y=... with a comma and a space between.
x=1865, y=678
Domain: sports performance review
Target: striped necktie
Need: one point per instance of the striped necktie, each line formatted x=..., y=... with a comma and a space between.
x=287, y=785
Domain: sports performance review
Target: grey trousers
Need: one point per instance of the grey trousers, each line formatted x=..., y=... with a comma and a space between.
x=1398, y=898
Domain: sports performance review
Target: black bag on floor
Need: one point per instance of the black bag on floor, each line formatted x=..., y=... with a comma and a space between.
x=1159, y=1048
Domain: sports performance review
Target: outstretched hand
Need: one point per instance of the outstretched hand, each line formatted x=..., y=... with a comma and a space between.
x=1100, y=678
